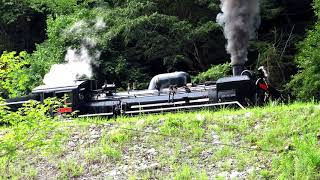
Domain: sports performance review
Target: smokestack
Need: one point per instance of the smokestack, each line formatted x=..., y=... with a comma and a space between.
x=237, y=70
x=240, y=19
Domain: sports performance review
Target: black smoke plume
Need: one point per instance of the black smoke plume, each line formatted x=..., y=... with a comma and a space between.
x=240, y=20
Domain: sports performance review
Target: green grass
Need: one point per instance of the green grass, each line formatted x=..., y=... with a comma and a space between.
x=70, y=168
x=110, y=152
x=274, y=142
x=92, y=155
x=186, y=172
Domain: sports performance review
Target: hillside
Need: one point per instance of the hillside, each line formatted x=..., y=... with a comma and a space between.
x=270, y=142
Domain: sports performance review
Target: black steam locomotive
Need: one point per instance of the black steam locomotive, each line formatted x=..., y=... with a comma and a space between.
x=166, y=92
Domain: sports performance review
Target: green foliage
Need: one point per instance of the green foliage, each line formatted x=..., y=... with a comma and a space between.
x=13, y=74
x=57, y=6
x=186, y=173
x=279, y=68
x=316, y=7
x=306, y=83
x=270, y=9
x=306, y=148
x=92, y=155
x=110, y=152
x=214, y=73
x=11, y=10
x=71, y=168
x=134, y=44
x=293, y=134
x=186, y=127
x=29, y=131
x=119, y=137
x=193, y=10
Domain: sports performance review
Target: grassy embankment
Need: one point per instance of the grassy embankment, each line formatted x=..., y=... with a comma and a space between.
x=270, y=142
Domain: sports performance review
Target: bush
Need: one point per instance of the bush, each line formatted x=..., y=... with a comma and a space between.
x=14, y=76
x=303, y=162
x=31, y=128
x=214, y=73
x=280, y=67
x=306, y=84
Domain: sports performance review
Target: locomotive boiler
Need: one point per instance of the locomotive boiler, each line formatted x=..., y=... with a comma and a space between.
x=166, y=92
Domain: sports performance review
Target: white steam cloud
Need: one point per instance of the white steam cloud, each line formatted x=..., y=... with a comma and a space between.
x=240, y=20
x=79, y=61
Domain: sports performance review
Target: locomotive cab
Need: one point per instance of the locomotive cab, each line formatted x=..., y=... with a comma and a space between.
x=67, y=93
x=72, y=95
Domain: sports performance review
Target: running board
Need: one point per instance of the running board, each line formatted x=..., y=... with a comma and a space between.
x=15, y=103
x=184, y=107
x=166, y=109
x=94, y=115
x=170, y=104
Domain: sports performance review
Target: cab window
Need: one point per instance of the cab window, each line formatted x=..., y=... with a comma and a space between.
x=66, y=97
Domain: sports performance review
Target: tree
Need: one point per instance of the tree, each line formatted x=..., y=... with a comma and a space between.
x=306, y=83
x=135, y=42
x=23, y=22
x=13, y=76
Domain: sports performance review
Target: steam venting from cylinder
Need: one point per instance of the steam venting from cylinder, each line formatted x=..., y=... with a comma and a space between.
x=78, y=61
x=240, y=20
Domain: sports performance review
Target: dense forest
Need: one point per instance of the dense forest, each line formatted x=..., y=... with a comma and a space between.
x=133, y=40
